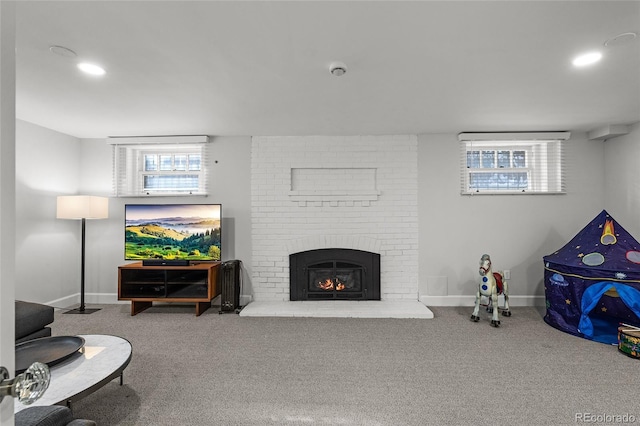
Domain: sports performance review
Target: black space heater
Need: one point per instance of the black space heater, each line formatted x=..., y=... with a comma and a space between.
x=230, y=286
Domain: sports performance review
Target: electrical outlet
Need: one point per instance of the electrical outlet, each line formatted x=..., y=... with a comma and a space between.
x=507, y=274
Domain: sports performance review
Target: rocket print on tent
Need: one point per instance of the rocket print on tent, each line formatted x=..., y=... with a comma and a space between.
x=608, y=237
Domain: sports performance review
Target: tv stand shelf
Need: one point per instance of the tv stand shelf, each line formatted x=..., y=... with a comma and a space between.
x=143, y=285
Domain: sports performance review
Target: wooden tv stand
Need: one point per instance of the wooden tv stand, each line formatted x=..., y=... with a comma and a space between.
x=143, y=285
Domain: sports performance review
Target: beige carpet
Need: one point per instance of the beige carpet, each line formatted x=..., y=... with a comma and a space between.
x=232, y=370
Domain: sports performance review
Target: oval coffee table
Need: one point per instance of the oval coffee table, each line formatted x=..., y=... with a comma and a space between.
x=102, y=359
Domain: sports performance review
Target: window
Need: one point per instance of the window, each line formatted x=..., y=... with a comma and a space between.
x=512, y=163
x=171, y=175
x=160, y=166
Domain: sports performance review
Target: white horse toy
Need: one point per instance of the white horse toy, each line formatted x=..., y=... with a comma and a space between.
x=491, y=285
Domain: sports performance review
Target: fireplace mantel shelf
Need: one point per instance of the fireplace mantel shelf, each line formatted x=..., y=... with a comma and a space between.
x=332, y=195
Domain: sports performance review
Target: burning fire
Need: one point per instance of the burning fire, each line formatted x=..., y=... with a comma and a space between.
x=329, y=285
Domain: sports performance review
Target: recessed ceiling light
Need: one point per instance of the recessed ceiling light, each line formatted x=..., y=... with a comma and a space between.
x=621, y=39
x=62, y=51
x=91, y=68
x=587, y=59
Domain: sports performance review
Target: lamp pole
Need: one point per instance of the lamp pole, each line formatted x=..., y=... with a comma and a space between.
x=81, y=308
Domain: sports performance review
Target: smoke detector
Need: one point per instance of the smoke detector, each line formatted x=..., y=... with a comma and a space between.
x=337, y=68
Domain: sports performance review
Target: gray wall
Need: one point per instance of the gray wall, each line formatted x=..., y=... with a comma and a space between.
x=48, y=249
x=516, y=230
x=622, y=179
x=454, y=230
x=229, y=185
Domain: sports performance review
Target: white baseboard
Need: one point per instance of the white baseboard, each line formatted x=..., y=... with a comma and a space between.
x=64, y=302
x=471, y=300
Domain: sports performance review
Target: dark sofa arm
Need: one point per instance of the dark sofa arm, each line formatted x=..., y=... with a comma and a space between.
x=54, y=415
x=32, y=320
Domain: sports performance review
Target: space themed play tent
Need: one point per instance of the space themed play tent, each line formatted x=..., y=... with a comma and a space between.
x=592, y=284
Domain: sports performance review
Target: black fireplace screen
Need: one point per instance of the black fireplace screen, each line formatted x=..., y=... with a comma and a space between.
x=335, y=274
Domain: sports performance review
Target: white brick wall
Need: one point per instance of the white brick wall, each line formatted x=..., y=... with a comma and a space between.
x=314, y=192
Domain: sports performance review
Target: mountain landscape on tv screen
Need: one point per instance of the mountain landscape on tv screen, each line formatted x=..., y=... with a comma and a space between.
x=172, y=238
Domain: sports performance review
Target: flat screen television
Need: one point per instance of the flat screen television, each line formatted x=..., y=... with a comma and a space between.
x=172, y=234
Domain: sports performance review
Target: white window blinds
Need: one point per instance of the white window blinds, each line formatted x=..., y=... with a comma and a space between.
x=512, y=163
x=160, y=166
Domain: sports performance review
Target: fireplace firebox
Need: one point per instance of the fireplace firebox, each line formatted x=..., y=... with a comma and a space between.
x=334, y=274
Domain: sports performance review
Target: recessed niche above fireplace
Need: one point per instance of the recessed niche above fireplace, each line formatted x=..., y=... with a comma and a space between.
x=334, y=274
x=333, y=185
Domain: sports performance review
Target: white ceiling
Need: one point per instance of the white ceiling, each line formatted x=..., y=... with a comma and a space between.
x=261, y=68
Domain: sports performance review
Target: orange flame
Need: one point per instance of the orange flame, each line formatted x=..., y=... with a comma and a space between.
x=608, y=236
x=328, y=285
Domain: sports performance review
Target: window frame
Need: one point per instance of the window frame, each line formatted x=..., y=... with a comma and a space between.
x=160, y=173
x=544, y=163
x=130, y=165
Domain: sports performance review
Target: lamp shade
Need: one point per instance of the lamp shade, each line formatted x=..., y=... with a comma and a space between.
x=82, y=207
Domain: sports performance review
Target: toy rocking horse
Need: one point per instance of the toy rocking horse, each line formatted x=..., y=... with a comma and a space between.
x=492, y=284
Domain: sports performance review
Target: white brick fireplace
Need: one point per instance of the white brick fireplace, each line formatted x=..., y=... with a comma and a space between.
x=358, y=192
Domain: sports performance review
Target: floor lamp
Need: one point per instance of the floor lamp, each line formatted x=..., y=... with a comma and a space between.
x=82, y=207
